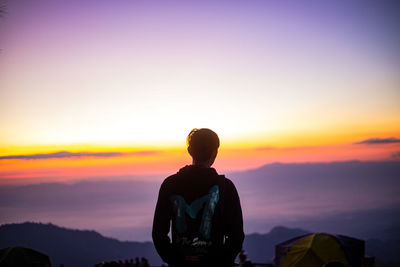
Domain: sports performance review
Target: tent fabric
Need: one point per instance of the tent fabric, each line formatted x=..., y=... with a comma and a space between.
x=314, y=250
x=318, y=249
x=23, y=257
x=354, y=249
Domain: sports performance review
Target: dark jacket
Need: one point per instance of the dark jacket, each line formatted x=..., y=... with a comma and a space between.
x=206, y=216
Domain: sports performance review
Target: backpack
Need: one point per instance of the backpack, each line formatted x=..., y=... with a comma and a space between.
x=193, y=223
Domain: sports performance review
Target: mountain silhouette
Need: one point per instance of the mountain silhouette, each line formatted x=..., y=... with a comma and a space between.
x=260, y=248
x=73, y=247
x=86, y=248
x=336, y=197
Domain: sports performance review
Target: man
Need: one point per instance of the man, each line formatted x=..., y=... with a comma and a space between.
x=204, y=208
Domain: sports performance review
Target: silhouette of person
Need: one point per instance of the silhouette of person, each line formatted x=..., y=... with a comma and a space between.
x=243, y=260
x=201, y=209
x=242, y=257
x=144, y=262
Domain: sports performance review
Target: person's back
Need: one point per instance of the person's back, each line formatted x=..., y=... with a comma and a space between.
x=204, y=208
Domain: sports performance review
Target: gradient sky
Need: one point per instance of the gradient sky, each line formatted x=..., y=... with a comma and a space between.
x=100, y=95
x=289, y=82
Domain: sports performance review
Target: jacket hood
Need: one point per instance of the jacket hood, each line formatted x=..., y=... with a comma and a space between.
x=198, y=170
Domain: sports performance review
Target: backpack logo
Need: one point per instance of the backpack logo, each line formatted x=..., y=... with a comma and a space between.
x=181, y=208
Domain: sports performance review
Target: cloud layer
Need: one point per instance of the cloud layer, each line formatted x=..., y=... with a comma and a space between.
x=67, y=154
x=377, y=141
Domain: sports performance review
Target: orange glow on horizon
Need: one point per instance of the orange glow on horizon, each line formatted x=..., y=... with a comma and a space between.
x=163, y=161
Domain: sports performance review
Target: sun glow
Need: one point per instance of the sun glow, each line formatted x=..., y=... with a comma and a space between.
x=116, y=91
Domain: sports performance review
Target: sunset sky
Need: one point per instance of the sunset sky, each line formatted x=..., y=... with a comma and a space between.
x=100, y=88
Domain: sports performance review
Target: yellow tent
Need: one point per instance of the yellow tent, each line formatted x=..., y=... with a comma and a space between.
x=318, y=249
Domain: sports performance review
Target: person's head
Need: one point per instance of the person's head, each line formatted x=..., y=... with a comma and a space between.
x=202, y=145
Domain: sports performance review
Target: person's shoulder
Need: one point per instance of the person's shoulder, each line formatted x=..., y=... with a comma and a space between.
x=173, y=178
x=226, y=179
x=170, y=179
x=228, y=184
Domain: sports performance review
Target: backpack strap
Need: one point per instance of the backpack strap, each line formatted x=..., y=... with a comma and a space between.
x=222, y=183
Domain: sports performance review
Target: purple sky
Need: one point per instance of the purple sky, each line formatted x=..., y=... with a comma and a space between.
x=272, y=67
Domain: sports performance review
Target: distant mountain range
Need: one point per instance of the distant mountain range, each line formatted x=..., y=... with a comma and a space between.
x=86, y=248
x=359, y=199
x=73, y=248
x=260, y=248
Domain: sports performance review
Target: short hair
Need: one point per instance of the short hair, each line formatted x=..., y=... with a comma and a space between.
x=202, y=143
